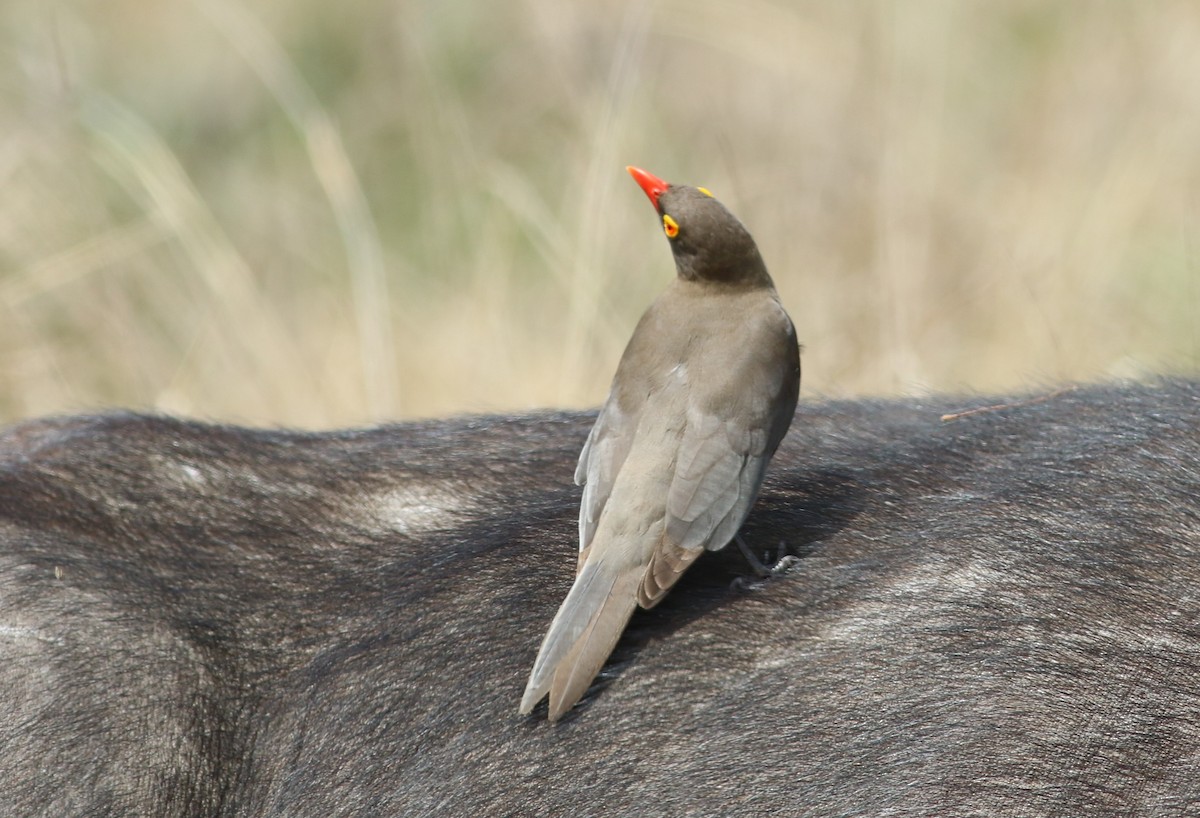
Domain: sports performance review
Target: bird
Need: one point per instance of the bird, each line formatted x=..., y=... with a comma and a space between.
x=702, y=396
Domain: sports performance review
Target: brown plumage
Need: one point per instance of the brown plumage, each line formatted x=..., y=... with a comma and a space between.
x=702, y=397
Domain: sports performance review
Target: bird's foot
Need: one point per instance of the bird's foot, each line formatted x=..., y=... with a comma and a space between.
x=784, y=563
x=759, y=567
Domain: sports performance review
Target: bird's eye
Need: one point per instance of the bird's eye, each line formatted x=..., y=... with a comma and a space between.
x=670, y=227
x=705, y=191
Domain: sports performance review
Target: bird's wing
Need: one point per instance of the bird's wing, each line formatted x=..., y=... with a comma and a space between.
x=601, y=459
x=726, y=445
x=720, y=468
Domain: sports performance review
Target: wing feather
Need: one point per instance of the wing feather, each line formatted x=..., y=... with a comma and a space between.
x=600, y=461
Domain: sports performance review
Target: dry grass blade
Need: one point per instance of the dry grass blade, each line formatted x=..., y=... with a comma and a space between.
x=340, y=182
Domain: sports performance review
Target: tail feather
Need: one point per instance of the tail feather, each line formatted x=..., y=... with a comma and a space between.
x=584, y=632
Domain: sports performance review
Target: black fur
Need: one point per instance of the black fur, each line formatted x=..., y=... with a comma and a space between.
x=997, y=615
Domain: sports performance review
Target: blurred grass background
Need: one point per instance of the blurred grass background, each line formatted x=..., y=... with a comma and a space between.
x=318, y=214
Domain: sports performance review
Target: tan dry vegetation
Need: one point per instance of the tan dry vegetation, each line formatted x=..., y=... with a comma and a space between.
x=315, y=214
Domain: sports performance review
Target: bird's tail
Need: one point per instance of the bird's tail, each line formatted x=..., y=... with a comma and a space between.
x=584, y=632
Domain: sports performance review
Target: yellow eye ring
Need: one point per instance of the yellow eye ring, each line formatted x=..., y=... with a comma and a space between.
x=670, y=227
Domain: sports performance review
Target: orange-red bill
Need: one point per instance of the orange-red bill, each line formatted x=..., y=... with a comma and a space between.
x=650, y=183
